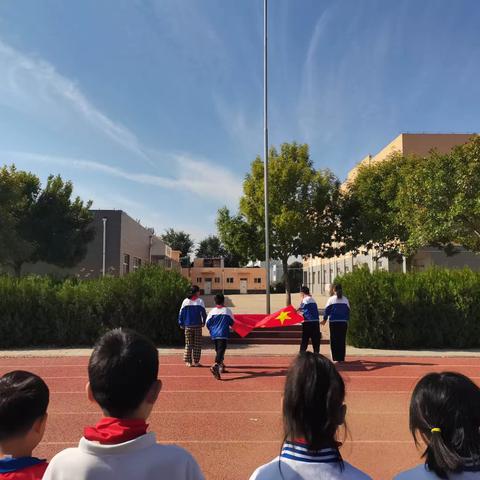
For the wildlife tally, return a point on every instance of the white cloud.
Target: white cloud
(191, 175)
(29, 83)
(32, 85)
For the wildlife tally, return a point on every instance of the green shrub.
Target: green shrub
(437, 308)
(39, 311)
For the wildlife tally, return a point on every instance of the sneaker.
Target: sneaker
(188, 364)
(197, 364)
(216, 372)
(223, 368)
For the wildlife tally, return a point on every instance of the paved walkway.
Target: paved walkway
(251, 351)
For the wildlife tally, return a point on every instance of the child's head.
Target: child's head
(305, 291)
(313, 407)
(194, 292)
(338, 289)
(24, 399)
(445, 412)
(220, 299)
(122, 372)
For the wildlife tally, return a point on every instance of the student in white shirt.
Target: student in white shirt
(445, 414)
(313, 411)
(122, 374)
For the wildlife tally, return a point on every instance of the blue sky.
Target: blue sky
(155, 106)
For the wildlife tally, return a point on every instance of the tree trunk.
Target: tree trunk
(286, 280)
(17, 268)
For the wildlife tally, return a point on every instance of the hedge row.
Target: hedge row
(39, 311)
(438, 308)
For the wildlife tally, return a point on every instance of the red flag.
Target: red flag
(244, 324)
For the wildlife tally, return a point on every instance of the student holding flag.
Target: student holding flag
(337, 312)
(311, 321)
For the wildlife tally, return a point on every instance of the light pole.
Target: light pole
(265, 140)
(104, 246)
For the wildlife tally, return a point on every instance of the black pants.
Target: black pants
(311, 330)
(338, 338)
(220, 348)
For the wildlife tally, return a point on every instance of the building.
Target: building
(212, 276)
(121, 245)
(319, 273)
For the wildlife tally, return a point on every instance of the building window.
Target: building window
(137, 263)
(217, 279)
(229, 279)
(199, 279)
(257, 280)
(126, 263)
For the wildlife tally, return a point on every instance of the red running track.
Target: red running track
(233, 426)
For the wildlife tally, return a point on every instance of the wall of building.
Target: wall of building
(227, 280)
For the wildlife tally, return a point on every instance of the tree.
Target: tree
(211, 247)
(302, 209)
(41, 225)
(178, 240)
(439, 203)
(370, 216)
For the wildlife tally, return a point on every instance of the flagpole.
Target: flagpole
(265, 140)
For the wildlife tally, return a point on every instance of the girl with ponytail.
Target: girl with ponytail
(445, 415)
(313, 412)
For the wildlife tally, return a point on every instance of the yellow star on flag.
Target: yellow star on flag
(283, 316)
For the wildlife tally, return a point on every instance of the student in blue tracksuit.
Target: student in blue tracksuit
(311, 321)
(192, 318)
(219, 322)
(337, 312)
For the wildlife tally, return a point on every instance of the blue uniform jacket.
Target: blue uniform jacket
(192, 313)
(309, 309)
(337, 309)
(219, 321)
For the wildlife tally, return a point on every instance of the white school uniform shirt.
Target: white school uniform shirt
(299, 463)
(138, 459)
(422, 473)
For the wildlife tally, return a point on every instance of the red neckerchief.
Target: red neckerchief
(110, 431)
(220, 306)
(193, 298)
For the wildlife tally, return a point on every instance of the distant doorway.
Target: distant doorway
(243, 286)
(208, 286)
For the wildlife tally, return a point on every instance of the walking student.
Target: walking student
(192, 318)
(219, 321)
(337, 312)
(311, 321)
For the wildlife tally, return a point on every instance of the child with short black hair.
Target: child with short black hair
(313, 412)
(122, 372)
(219, 322)
(445, 414)
(24, 399)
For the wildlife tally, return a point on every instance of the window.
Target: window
(137, 263)
(229, 279)
(257, 280)
(126, 263)
(217, 279)
(199, 279)
(313, 278)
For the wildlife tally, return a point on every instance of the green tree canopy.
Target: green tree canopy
(178, 240)
(212, 247)
(439, 201)
(370, 215)
(302, 209)
(41, 225)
